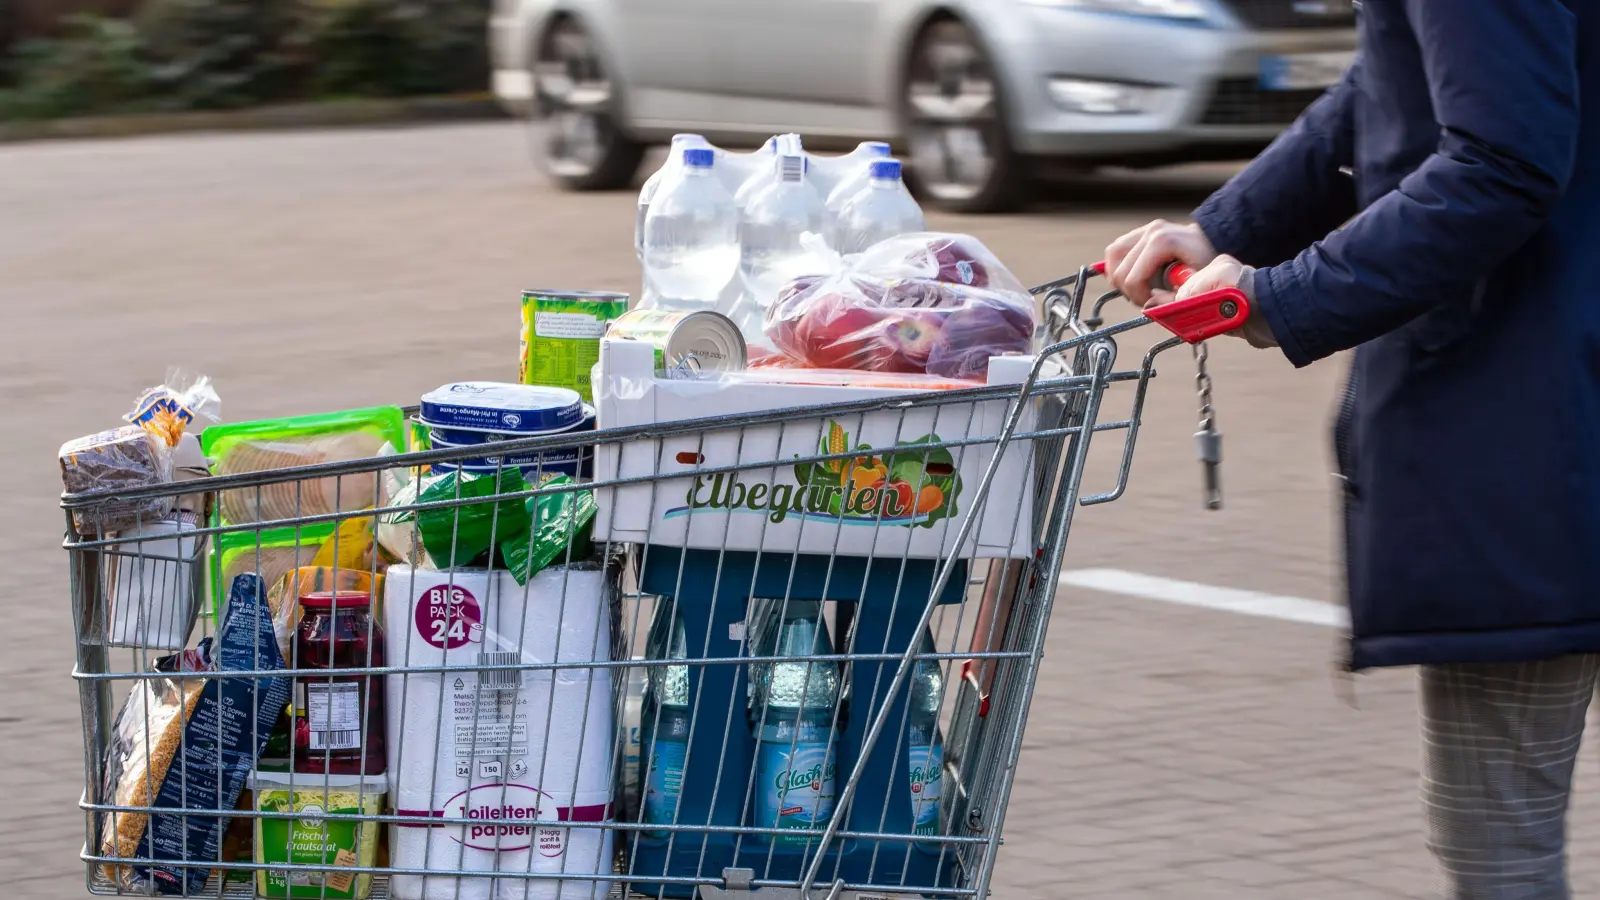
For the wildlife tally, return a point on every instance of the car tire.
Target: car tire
(581, 144)
(953, 117)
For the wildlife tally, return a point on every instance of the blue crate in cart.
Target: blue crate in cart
(884, 599)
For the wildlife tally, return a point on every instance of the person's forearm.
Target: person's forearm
(1489, 186)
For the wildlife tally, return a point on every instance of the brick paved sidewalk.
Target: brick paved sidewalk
(1186, 753)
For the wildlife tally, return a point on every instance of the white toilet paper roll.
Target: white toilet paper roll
(562, 738)
(523, 751)
(448, 728)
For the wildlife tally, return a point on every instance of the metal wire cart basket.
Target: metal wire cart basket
(787, 648)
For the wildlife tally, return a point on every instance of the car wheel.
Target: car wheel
(581, 144)
(954, 123)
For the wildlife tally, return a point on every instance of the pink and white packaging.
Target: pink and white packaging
(527, 754)
(772, 508)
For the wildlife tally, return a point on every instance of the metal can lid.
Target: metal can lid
(497, 406)
(706, 341)
(594, 296)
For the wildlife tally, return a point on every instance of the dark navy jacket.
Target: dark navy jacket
(1467, 274)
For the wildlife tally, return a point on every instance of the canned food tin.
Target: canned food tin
(492, 406)
(693, 339)
(561, 332)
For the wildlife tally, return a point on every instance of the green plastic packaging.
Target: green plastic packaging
(270, 444)
(271, 553)
(457, 535)
(559, 521)
(529, 533)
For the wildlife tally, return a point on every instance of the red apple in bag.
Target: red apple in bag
(984, 328)
(958, 264)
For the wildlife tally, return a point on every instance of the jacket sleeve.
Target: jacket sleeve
(1293, 193)
(1502, 76)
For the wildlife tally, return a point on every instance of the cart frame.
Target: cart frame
(1002, 609)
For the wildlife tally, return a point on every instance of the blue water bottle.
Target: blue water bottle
(791, 713)
(664, 722)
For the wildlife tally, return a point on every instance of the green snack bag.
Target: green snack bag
(557, 521)
(457, 535)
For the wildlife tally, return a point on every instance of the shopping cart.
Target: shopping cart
(697, 695)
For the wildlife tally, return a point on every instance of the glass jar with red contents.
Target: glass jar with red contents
(339, 722)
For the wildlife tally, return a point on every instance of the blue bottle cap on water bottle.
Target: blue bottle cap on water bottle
(699, 157)
(876, 148)
(886, 168)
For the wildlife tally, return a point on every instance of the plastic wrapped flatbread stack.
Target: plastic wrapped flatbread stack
(296, 499)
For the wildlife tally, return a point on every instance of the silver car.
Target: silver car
(982, 96)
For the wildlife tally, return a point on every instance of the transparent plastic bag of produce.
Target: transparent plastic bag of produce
(932, 303)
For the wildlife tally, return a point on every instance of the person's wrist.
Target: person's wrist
(1255, 330)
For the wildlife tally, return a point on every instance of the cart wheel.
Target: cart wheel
(583, 146)
(954, 122)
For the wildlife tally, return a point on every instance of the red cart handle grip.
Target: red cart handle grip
(1199, 317)
(1174, 275)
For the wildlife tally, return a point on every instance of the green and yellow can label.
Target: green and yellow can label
(561, 333)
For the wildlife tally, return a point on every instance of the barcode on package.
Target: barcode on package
(500, 679)
(335, 740)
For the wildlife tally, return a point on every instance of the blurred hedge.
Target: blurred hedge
(225, 54)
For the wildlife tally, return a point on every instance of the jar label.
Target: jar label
(333, 712)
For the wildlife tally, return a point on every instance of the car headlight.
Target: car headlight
(1165, 9)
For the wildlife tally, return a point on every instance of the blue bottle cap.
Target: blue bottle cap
(494, 406)
(886, 169)
(876, 148)
(699, 157)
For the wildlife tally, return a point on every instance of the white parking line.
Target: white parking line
(1189, 593)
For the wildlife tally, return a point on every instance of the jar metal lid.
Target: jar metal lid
(341, 599)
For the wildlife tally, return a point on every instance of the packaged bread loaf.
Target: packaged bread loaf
(183, 745)
(126, 457)
(137, 454)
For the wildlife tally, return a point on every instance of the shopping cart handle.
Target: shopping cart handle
(1171, 277)
(1196, 318)
(1174, 275)
(1202, 316)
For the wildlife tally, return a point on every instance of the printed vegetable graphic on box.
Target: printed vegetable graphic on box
(912, 484)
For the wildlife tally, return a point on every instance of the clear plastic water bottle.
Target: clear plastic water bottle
(882, 209)
(924, 745)
(691, 236)
(770, 250)
(664, 722)
(791, 716)
(850, 174)
(673, 165)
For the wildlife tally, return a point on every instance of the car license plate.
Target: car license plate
(1302, 71)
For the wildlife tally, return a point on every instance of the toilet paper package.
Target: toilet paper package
(521, 831)
(523, 751)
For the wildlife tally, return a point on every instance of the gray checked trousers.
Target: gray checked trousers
(1499, 741)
